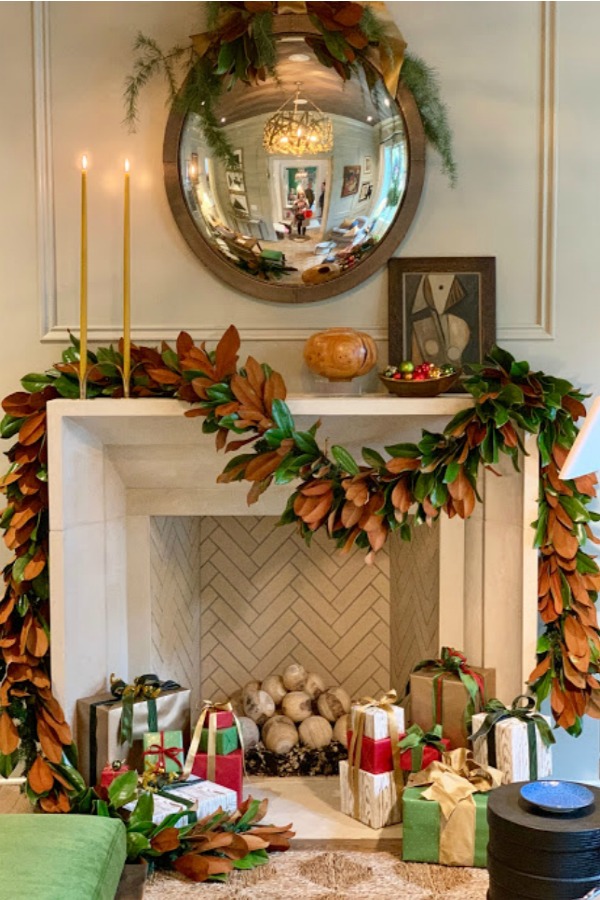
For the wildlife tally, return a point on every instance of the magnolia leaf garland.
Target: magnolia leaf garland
(357, 502)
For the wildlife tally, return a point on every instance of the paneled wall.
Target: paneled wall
(520, 81)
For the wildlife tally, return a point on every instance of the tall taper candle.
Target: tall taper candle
(83, 288)
(127, 285)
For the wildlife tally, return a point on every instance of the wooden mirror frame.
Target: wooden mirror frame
(227, 271)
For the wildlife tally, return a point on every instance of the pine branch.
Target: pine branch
(149, 63)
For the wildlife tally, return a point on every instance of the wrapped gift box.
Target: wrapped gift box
(205, 797)
(224, 718)
(511, 741)
(229, 770)
(377, 722)
(98, 719)
(379, 801)
(453, 704)
(227, 740)
(422, 832)
(376, 756)
(164, 806)
(163, 750)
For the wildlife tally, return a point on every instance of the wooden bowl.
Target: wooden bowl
(340, 354)
(431, 387)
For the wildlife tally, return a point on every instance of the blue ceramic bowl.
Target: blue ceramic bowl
(557, 796)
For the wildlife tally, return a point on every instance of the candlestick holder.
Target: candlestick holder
(83, 379)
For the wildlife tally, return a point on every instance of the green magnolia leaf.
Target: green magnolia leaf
(452, 471)
(404, 451)
(502, 357)
(41, 585)
(519, 369)
(373, 458)
(306, 442)
(102, 809)
(274, 437)
(6, 517)
(10, 425)
(7, 763)
(123, 789)
(170, 359)
(283, 417)
(142, 811)
(586, 565)
(252, 859)
(344, 460)
(249, 816)
(67, 387)
(35, 382)
(137, 844)
(575, 508)
(20, 564)
(543, 644)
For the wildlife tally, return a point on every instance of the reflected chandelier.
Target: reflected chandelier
(298, 128)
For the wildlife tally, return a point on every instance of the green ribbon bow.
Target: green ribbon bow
(144, 687)
(497, 711)
(452, 662)
(416, 740)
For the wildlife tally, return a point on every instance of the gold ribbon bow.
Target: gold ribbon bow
(453, 781)
(209, 710)
(359, 714)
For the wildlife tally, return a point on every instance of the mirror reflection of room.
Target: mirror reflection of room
(320, 172)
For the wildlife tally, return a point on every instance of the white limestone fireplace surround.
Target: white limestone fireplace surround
(114, 464)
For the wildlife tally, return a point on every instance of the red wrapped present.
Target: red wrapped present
(376, 756)
(223, 718)
(111, 771)
(228, 770)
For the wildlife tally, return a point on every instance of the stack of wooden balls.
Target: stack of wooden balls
(292, 708)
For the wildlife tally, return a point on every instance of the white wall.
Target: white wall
(489, 58)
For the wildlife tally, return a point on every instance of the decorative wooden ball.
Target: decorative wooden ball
(294, 677)
(340, 354)
(274, 720)
(314, 685)
(275, 687)
(315, 732)
(333, 703)
(258, 705)
(250, 732)
(340, 729)
(251, 686)
(281, 735)
(237, 702)
(297, 705)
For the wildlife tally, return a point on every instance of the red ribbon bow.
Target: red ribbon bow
(165, 753)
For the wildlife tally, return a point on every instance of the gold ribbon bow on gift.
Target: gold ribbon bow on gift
(209, 711)
(453, 782)
(359, 715)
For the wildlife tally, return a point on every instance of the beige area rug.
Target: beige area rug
(328, 875)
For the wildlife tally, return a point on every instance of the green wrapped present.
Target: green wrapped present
(163, 751)
(444, 810)
(226, 740)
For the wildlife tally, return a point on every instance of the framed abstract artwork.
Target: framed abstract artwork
(442, 309)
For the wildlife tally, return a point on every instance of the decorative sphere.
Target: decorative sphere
(281, 735)
(252, 686)
(250, 732)
(334, 703)
(297, 705)
(237, 702)
(294, 677)
(340, 729)
(314, 685)
(275, 687)
(258, 705)
(340, 354)
(315, 732)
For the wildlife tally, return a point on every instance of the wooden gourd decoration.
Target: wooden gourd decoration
(315, 732)
(258, 705)
(340, 354)
(279, 734)
(294, 678)
(314, 685)
(275, 687)
(297, 705)
(340, 729)
(333, 703)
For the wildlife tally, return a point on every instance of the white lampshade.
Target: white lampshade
(584, 456)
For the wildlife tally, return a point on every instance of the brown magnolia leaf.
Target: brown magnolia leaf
(9, 736)
(245, 393)
(559, 455)
(25, 627)
(564, 541)
(52, 748)
(255, 374)
(263, 465)
(40, 776)
(33, 428)
(56, 802)
(574, 407)
(166, 840)
(183, 344)
(316, 488)
(37, 640)
(593, 704)
(575, 637)
(539, 670)
(402, 497)
(17, 404)
(586, 485)
(575, 677)
(35, 566)
(164, 376)
(198, 868)
(350, 514)
(22, 516)
(401, 464)
(226, 353)
(378, 538)
(60, 729)
(274, 389)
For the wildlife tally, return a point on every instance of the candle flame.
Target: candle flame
(127, 165)
(84, 162)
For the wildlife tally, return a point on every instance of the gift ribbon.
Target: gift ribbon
(144, 687)
(452, 782)
(164, 753)
(536, 724)
(416, 740)
(450, 663)
(359, 712)
(210, 710)
(388, 57)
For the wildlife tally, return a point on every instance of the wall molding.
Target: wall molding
(542, 329)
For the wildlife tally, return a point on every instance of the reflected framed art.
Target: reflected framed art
(442, 309)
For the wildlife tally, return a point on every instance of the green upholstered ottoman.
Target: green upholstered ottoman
(58, 857)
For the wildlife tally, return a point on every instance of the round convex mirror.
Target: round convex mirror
(326, 181)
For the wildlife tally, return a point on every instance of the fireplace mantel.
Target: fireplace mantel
(113, 464)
